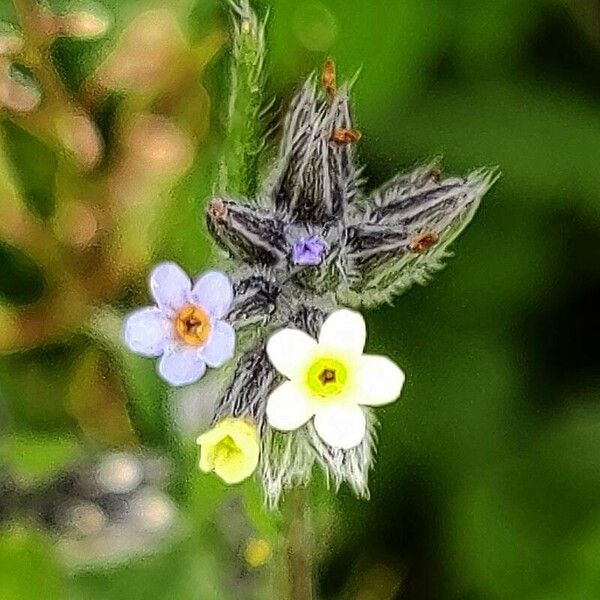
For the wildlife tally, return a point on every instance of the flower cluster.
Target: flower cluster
(302, 390)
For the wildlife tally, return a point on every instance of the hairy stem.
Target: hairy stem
(295, 580)
(239, 172)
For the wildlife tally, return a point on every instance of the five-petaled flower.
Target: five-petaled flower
(186, 327)
(230, 449)
(329, 380)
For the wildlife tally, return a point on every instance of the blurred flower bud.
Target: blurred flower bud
(152, 510)
(10, 43)
(82, 517)
(257, 552)
(17, 92)
(154, 150)
(160, 145)
(88, 23)
(80, 135)
(76, 225)
(119, 473)
(149, 49)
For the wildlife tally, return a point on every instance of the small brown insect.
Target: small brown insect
(217, 209)
(329, 78)
(422, 242)
(341, 135)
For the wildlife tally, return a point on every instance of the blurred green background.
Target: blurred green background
(487, 483)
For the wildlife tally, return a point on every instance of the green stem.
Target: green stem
(294, 581)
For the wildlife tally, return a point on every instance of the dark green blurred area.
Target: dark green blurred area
(487, 483)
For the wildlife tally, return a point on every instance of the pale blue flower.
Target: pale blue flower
(185, 328)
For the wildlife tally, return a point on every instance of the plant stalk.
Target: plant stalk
(245, 130)
(294, 581)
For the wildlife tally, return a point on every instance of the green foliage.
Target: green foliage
(28, 567)
(35, 458)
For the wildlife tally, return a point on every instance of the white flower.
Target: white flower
(329, 380)
(185, 328)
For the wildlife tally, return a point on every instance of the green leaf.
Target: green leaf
(36, 457)
(34, 169)
(28, 568)
(21, 279)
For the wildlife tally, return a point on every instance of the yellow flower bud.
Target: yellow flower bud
(230, 449)
(257, 552)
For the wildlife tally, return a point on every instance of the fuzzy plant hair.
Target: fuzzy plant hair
(311, 239)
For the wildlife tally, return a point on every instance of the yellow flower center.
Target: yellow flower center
(192, 325)
(327, 377)
(227, 450)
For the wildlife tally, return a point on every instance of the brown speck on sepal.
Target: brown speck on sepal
(343, 136)
(435, 175)
(246, 231)
(422, 242)
(217, 209)
(328, 78)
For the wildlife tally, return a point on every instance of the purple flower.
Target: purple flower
(185, 328)
(308, 251)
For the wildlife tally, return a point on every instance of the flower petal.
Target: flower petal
(245, 435)
(379, 379)
(220, 346)
(207, 457)
(147, 331)
(344, 330)
(288, 408)
(236, 469)
(289, 350)
(170, 286)
(232, 467)
(181, 365)
(214, 292)
(341, 425)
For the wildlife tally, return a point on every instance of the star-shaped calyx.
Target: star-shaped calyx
(314, 217)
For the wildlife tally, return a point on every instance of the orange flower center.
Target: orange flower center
(192, 325)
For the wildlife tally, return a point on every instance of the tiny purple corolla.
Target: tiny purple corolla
(308, 251)
(186, 327)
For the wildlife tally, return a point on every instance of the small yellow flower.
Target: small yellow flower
(257, 552)
(230, 449)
